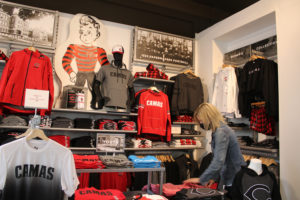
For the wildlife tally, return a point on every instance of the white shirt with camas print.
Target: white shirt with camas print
(36, 169)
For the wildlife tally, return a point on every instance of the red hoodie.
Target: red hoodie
(154, 114)
(25, 70)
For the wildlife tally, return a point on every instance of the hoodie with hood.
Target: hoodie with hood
(249, 185)
(115, 82)
(154, 114)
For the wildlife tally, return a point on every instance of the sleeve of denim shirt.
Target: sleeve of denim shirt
(220, 151)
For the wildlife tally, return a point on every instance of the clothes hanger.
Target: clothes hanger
(228, 65)
(259, 104)
(36, 133)
(254, 57)
(32, 48)
(189, 72)
(154, 88)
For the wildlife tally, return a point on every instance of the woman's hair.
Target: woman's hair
(209, 115)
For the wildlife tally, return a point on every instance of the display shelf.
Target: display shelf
(245, 128)
(138, 149)
(143, 80)
(95, 112)
(183, 136)
(160, 170)
(260, 151)
(185, 123)
(69, 129)
(163, 148)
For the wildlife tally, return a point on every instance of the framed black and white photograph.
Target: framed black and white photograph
(110, 142)
(162, 48)
(21, 24)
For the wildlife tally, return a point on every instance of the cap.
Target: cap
(118, 49)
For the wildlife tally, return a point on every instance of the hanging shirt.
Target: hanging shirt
(114, 85)
(225, 95)
(154, 114)
(36, 169)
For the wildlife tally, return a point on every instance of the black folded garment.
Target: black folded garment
(249, 141)
(231, 124)
(185, 131)
(85, 123)
(267, 143)
(84, 141)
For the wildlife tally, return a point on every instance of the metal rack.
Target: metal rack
(98, 112)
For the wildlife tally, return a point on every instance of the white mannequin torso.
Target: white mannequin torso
(256, 165)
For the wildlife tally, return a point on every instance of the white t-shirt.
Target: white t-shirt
(35, 170)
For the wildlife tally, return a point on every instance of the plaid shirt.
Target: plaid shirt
(152, 72)
(260, 122)
(3, 56)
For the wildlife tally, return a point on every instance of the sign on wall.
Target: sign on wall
(162, 48)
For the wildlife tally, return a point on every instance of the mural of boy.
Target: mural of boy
(79, 54)
(86, 55)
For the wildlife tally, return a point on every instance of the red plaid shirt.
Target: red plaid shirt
(260, 122)
(3, 56)
(152, 72)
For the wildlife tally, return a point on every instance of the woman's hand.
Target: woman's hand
(209, 183)
(192, 180)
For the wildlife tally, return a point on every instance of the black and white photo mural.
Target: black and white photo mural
(81, 55)
(162, 48)
(29, 25)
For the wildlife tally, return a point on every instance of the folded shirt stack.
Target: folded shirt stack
(157, 144)
(145, 162)
(84, 123)
(88, 162)
(186, 143)
(117, 161)
(14, 120)
(106, 124)
(84, 141)
(141, 143)
(126, 125)
(61, 139)
(94, 194)
(62, 122)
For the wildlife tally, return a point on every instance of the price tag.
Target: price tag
(36, 99)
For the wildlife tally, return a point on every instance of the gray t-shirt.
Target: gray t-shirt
(114, 85)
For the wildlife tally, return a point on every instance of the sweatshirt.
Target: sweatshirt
(248, 185)
(154, 114)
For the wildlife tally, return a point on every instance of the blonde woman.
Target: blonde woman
(227, 157)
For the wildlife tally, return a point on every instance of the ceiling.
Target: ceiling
(181, 17)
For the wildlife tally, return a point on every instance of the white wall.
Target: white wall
(257, 22)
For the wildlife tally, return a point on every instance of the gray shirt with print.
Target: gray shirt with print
(114, 85)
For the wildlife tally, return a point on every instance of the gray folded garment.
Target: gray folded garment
(116, 161)
(14, 120)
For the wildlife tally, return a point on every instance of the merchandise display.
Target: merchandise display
(187, 94)
(225, 95)
(258, 81)
(25, 69)
(3, 56)
(113, 84)
(40, 165)
(145, 162)
(94, 194)
(63, 140)
(247, 181)
(154, 114)
(152, 72)
(112, 130)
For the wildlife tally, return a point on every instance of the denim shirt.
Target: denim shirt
(227, 157)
